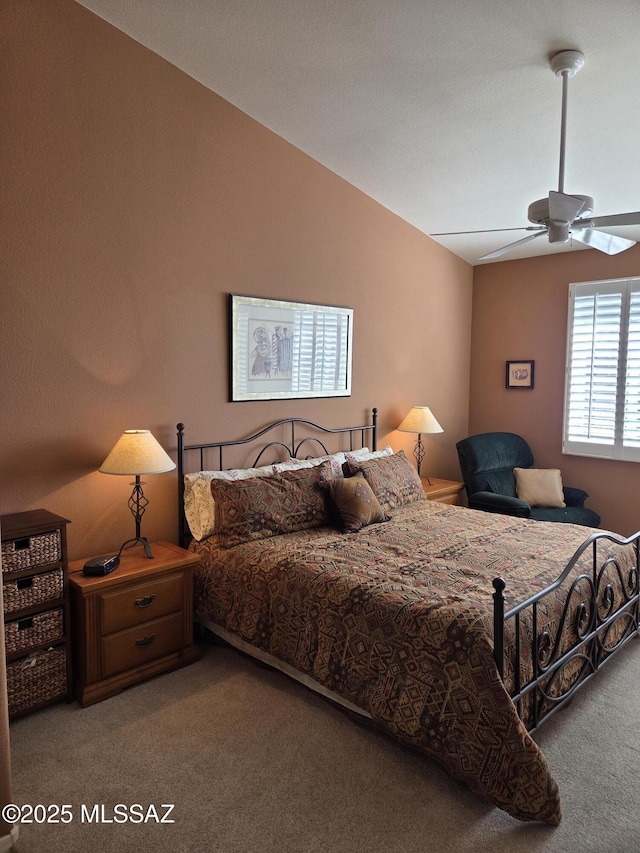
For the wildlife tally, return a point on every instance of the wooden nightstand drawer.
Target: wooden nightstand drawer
(139, 603)
(135, 646)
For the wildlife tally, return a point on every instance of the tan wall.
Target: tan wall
(134, 200)
(520, 312)
(5, 756)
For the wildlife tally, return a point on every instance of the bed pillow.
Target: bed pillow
(199, 508)
(261, 507)
(393, 479)
(540, 486)
(337, 460)
(355, 502)
(363, 454)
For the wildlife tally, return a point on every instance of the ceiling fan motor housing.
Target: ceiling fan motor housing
(538, 211)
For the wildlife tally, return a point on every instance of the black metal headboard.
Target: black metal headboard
(299, 439)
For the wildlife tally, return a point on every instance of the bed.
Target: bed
(454, 631)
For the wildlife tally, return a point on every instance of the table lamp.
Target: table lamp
(137, 452)
(420, 420)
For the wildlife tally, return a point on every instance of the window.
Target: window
(602, 386)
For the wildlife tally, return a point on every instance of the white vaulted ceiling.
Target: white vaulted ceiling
(444, 111)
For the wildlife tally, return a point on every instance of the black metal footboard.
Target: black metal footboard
(547, 647)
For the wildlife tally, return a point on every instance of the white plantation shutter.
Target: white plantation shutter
(631, 419)
(602, 389)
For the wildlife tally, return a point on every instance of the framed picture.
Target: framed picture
(285, 350)
(520, 374)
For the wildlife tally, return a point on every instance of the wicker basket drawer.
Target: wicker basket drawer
(34, 630)
(31, 551)
(38, 589)
(36, 680)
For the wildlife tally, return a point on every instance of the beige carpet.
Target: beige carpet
(255, 763)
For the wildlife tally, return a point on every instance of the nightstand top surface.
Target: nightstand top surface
(436, 483)
(135, 563)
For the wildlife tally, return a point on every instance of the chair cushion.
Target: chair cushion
(569, 515)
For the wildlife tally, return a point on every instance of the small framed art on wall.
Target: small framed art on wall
(520, 374)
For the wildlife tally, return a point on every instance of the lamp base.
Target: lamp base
(131, 542)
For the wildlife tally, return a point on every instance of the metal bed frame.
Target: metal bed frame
(357, 437)
(591, 621)
(588, 616)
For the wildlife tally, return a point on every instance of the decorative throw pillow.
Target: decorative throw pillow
(199, 507)
(269, 506)
(393, 479)
(355, 502)
(540, 486)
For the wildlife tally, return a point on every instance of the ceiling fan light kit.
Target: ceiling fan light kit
(557, 215)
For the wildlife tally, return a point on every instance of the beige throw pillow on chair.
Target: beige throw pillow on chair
(540, 486)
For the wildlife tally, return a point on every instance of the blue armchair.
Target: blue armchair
(487, 462)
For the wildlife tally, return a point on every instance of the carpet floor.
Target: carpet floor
(255, 763)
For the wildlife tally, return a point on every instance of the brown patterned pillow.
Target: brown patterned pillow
(355, 502)
(393, 480)
(268, 506)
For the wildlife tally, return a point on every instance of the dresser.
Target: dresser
(36, 610)
(133, 623)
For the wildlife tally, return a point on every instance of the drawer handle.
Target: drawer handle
(146, 601)
(24, 583)
(146, 641)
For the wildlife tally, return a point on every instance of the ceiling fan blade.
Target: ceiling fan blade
(608, 243)
(504, 249)
(616, 219)
(482, 231)
(563, 207)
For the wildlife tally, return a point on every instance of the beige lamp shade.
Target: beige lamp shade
(137, 452)
(420, 419)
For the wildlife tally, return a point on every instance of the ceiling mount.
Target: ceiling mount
(556, 216)
(567, 62)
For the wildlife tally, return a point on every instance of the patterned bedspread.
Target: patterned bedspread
(397, 619)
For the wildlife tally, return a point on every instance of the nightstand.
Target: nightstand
(133, 623)
(443, 491)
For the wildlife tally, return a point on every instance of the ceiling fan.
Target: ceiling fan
(560, 216)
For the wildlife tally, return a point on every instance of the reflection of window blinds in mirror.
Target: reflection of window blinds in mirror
(319, 351)
(242, 354)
